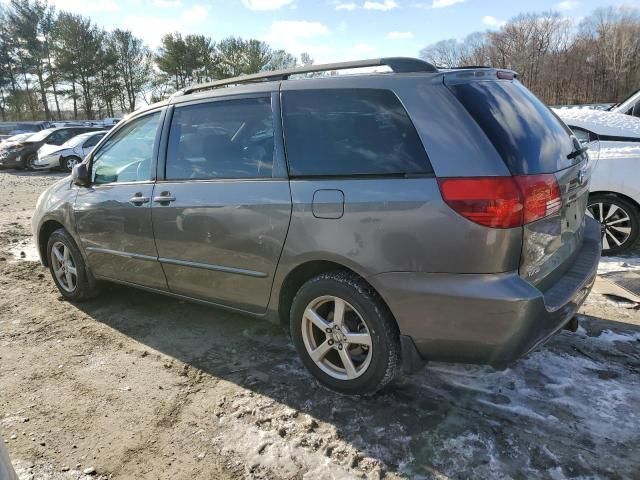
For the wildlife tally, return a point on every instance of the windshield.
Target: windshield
(41, 135)
(77, 140)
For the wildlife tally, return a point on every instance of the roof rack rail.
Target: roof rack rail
(396, 64)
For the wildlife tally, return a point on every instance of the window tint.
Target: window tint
(60, 136)
(350, 132)
(92, 141)
(127, 156)
(526, 133)
(224, 139)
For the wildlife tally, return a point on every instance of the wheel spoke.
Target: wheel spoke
(319, 352)
(65, 252)
(616, 241)
(316, 319)
(612, 209)
(338, 312)
(69, 278)
(58, 272)
(359, 339)
(605, 242)
(348, 363)
(58, 255)
(600, 208)
(619, 220)
(72, 270)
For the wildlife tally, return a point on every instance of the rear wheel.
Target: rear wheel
(619, 221)
(68, 269)
(345, 334)
(68, 163)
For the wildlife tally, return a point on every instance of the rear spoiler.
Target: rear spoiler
(456, 75)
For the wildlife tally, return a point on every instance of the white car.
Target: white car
(67, 155)
(630, 106)
(614, 146)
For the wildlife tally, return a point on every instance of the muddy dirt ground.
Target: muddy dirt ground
(134, 385)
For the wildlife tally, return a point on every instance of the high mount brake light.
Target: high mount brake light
(502, 75)
(502, 202)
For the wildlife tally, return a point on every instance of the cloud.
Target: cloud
(493, 21)
(296, 36)
(166, 3)
(385, 5)
(264, 5)
(346, 6)
(191, 20)
(399, 35)
(84, 6)
(445, 3)
(195, 14)
(566, 5)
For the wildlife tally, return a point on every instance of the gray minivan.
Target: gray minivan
(386, 219)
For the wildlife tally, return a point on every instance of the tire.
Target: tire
(75, 285)
(65, 163)
(365, 314)
(621, 221)
(28, 162)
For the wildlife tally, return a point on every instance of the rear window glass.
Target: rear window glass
(350, 132)
(526, 133)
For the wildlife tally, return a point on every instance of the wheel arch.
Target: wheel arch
(305, 271)
(617, 194)
(45, 231)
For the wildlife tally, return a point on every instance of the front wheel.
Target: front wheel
(345, 334)
(619, 221)
(68, 163)
(30, 161)
(68, 269)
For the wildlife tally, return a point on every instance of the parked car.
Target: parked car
(614, 143)
(67, 155)
(385, 219)
(630, 106)
(6, 469)
(24, 154)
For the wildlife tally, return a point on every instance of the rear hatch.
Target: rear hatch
(537, 148)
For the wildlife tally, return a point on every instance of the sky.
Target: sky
(329, 30)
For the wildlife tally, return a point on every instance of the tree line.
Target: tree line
(56, 65)
(595, 61)
(60, 65)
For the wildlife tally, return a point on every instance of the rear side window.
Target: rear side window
(223, 139)
(525, 132)
(350, 132)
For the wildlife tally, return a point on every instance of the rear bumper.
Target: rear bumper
(491, 319)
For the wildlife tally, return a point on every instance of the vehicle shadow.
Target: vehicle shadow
(568, 409)
(17, 172)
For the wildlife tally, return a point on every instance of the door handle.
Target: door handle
(138, 199)
(164, 198)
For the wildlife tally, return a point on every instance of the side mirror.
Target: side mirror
(80, 175)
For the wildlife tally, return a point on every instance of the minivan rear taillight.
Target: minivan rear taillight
(502, 202)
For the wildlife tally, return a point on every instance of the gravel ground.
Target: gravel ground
(134, 385)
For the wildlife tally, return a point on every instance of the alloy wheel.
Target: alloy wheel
(70, 163)
(64, 267)
(336, 337)
(615, 223)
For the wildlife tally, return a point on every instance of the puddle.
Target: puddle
(26, 251)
